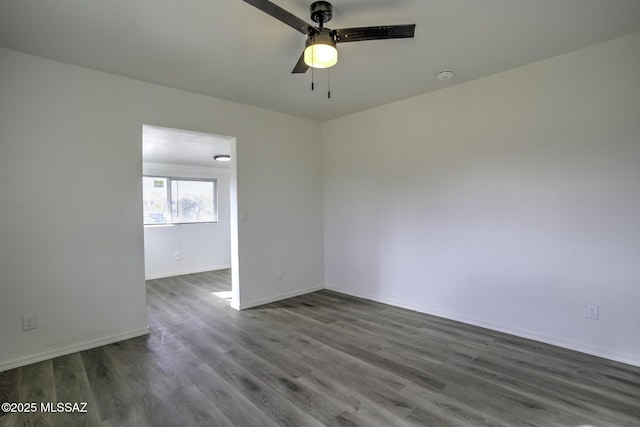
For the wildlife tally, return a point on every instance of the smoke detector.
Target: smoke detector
(444, 75)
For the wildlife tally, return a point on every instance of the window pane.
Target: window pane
(193, 201)
(154, 196)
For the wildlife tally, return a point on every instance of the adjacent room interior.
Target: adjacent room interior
(186, 230)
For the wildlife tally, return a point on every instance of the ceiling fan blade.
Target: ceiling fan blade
(301, 66)
(382, 32)
(279, 13)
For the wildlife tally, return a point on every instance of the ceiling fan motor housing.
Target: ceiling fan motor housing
(321, 12)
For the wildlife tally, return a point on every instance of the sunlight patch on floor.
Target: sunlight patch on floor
(224, 295)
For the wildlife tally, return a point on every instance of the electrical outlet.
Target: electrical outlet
(592, 311)
(279, 274)
(28, 322)
(177, 256)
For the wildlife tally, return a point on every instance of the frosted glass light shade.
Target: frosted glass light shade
(320, 49)
(320, 56)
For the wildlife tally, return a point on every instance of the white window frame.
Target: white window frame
(170, 204)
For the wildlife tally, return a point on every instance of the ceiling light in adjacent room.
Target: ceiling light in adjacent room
(222, 158)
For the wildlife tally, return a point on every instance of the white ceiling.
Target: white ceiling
(183, 147)
(231, 50)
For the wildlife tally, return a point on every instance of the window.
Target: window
(178, 200)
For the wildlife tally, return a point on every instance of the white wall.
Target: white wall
(509, 202)
(71, 235)
(202, 247)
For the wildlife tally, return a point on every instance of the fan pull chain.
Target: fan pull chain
(313, 39)
(329, 83)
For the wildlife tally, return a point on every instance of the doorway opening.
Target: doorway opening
(190, 205)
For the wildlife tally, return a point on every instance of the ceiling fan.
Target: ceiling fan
(320, 48)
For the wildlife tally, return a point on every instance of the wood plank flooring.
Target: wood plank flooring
(319, 359)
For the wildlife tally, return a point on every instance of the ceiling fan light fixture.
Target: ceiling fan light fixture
(320, 47)
(320, 50)
(222, 158)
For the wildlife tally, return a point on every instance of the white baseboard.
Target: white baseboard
(182, 273)
(69, 349)
(558, 342)
(275, 298)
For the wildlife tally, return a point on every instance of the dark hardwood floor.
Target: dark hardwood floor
(319, 359)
